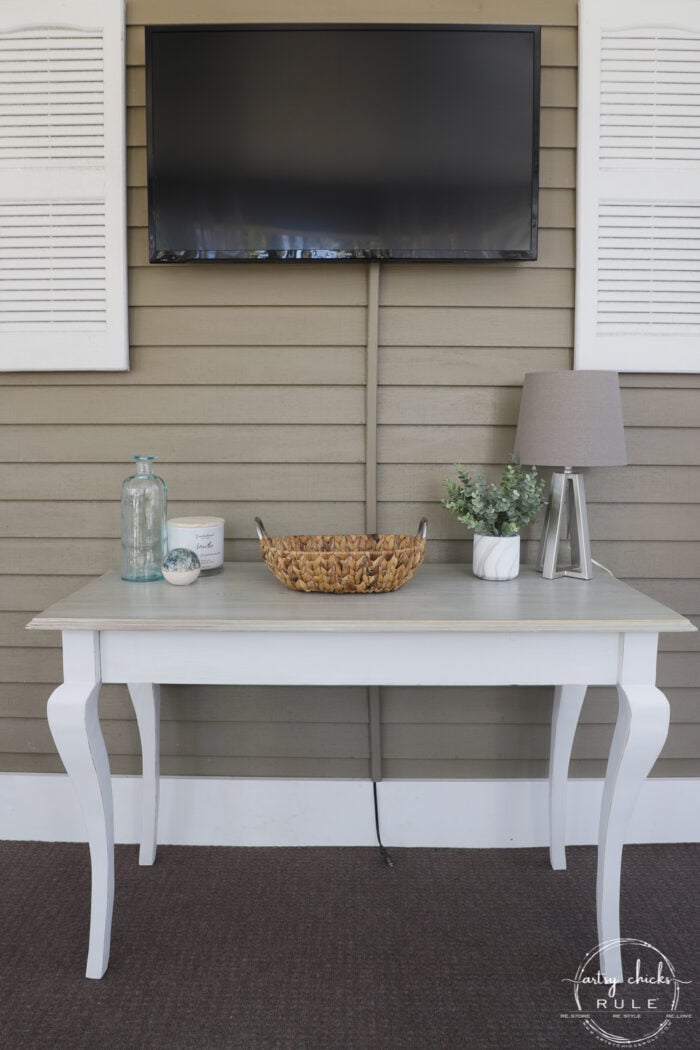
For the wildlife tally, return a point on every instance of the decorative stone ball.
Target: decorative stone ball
(181, 566)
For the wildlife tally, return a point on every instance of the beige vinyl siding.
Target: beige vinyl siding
(248, 381)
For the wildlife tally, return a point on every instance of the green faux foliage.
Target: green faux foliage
(501, 509)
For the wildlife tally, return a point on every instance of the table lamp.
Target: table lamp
(569, 419)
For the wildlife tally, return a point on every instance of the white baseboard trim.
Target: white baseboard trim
(251, 812)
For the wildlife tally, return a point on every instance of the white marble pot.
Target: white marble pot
(496, 557)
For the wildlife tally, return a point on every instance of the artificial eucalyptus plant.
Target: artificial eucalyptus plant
(500, 509)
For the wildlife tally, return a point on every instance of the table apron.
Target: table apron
(362, 658)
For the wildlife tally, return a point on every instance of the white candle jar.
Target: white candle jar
(204, 536)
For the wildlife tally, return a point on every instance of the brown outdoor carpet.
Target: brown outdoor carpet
(328, 949)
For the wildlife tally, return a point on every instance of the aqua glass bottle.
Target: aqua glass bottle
(144, 523)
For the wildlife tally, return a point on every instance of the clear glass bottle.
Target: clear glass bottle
(144, 523)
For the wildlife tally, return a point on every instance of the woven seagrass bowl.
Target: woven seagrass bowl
(350, 564)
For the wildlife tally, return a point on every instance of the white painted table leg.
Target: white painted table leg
(568, 700)
(146, 700)
(74, 721)
(640, 733)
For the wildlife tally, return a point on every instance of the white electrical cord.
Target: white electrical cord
(603, 567)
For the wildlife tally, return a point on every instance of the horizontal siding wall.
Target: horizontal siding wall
(248, 381)
(455, 348)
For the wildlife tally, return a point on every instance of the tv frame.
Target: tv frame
(347, 255)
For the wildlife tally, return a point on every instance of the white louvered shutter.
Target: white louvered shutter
(638, 186)
(62, 186)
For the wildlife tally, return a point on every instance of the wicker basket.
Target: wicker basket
(343, 564)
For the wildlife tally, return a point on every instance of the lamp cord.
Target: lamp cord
(382, 848)
(603, 567)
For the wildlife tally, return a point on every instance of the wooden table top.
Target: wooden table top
(247, 597)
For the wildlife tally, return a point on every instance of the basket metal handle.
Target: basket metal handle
(261, 530)
(423, 528)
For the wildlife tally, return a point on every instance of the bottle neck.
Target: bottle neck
(144, 465)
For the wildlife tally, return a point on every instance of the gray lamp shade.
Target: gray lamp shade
(571, 419)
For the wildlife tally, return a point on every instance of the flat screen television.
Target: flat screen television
(273, 142)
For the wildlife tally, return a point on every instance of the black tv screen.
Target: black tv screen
(342, 142)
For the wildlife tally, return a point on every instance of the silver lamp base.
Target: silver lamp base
(566, 513)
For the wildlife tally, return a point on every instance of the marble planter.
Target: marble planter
(496, 557)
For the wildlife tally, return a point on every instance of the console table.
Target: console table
(445, 627)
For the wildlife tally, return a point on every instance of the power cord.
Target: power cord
(382, 848)
(603, 567)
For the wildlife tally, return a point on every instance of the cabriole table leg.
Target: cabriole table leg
(146, 700)
(640, 733)
(568, 700)
(75, 726)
